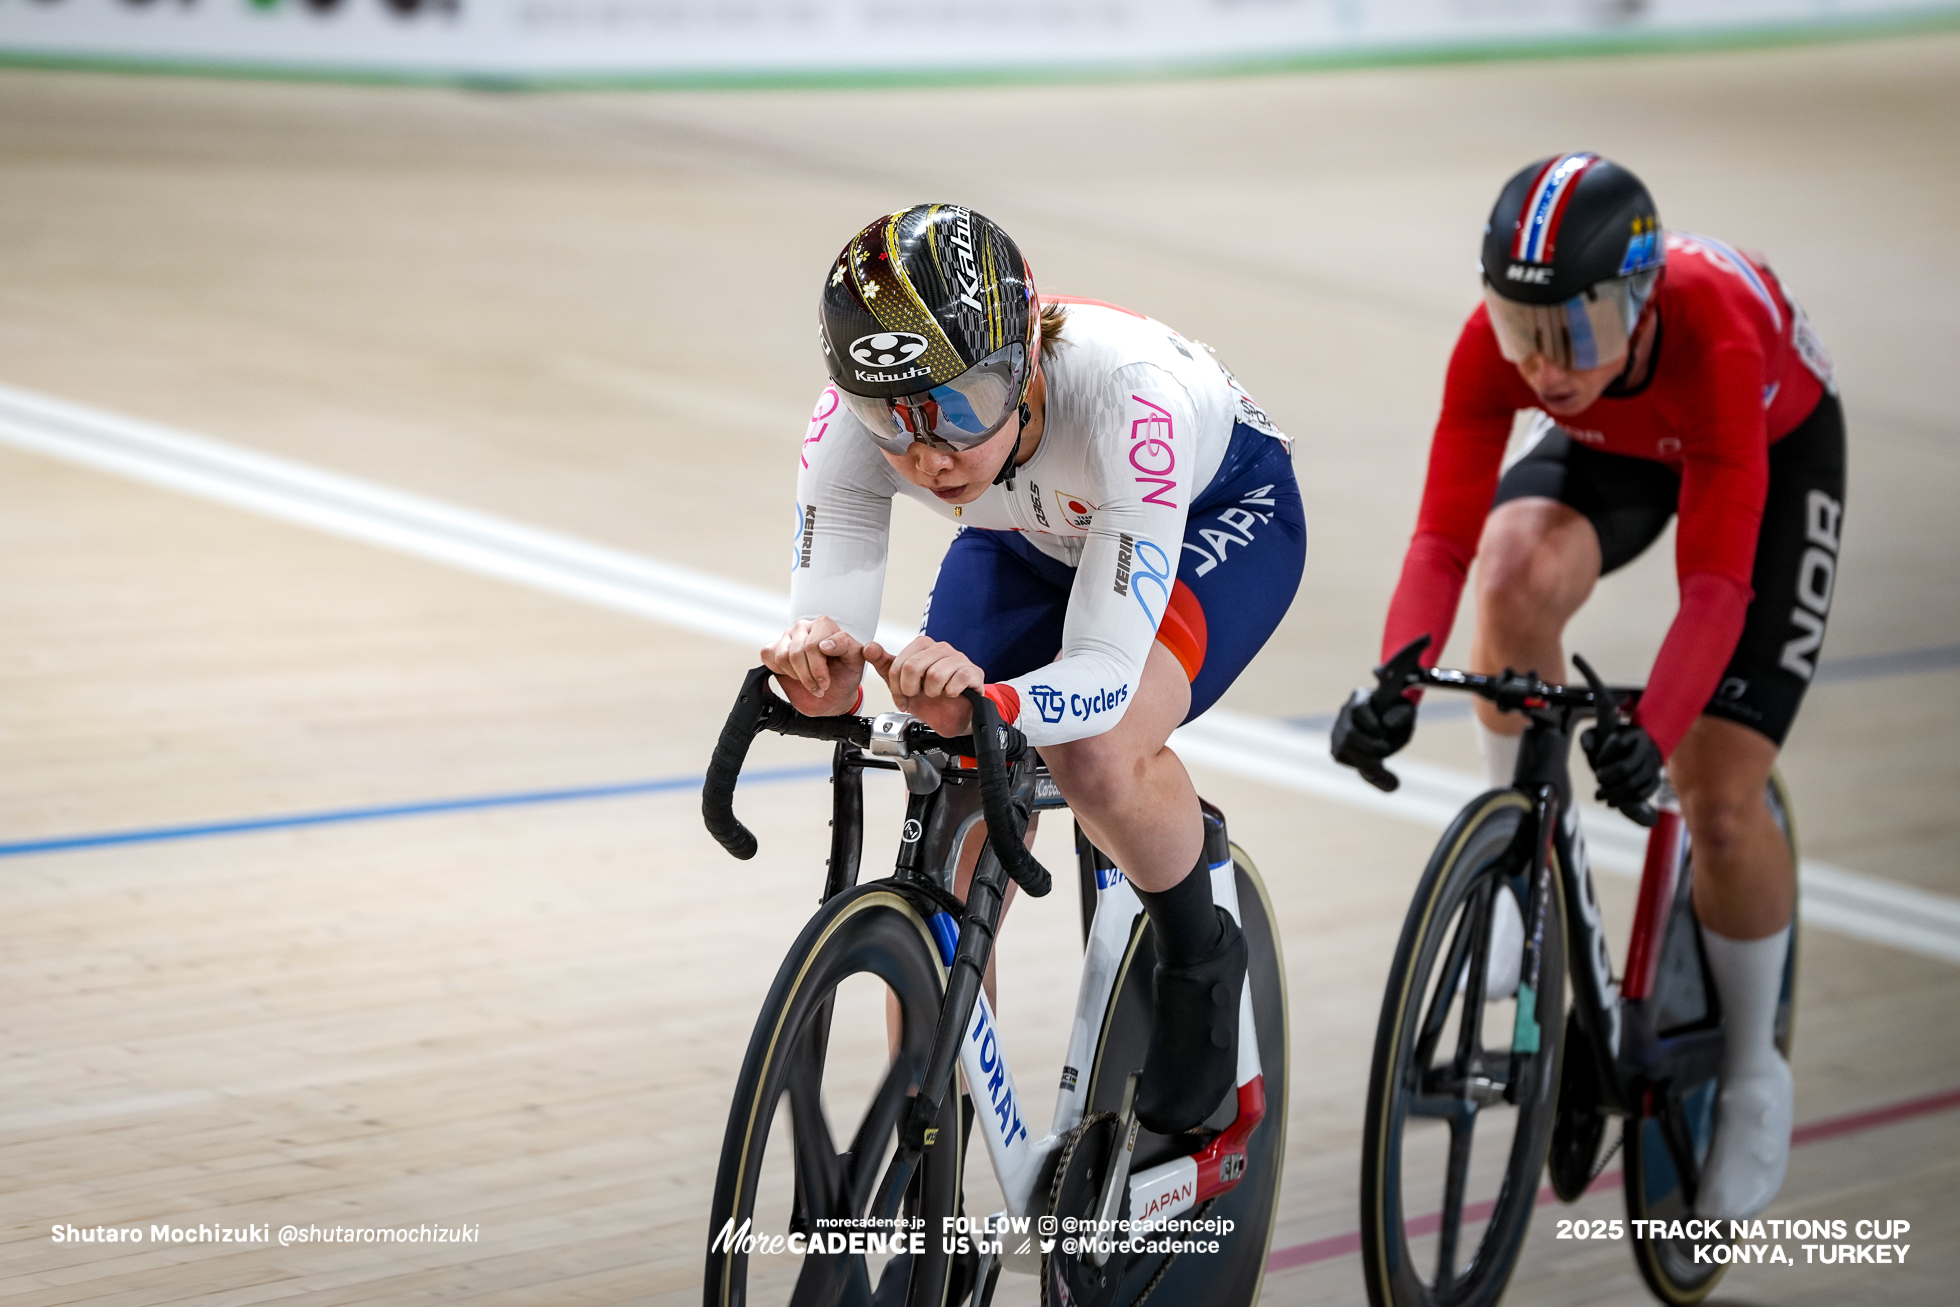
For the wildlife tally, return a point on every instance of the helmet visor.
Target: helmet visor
(1589, 330)
(964, 412)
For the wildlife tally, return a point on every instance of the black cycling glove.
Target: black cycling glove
(1627, 762)
(1362, 735)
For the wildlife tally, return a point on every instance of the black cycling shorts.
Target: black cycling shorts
(1629, 500)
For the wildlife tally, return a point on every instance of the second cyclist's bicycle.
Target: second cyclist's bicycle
(878, 1023)
(1481, 1077)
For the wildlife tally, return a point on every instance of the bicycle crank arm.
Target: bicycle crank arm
(1172, 1188)
(1118, 1178)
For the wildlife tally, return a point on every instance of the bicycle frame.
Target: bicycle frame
(1543, 777)
(1635, 1046)
(937, 824)
(1645, 1046)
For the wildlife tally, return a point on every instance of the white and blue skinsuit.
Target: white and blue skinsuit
(1159, 487)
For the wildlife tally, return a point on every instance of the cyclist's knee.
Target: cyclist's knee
(1721, 771)
(1537, 563)
(1096, 773)
(1721, 822)
(1725, 813)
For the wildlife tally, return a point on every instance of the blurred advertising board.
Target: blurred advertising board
(814, 39)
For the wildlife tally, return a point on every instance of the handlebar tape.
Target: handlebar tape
(751, 712)
(992, 743)
(757, 710)
(1377, 774)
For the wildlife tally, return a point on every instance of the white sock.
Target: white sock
(1506, 963)
(1749, 980)
(1500, 755)
(1753, 1114)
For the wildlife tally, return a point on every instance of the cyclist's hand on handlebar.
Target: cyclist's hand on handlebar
(1363, 736)
(1627, 762)
(927, 678)
(819, 665)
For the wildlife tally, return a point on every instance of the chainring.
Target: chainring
(1577, 1131)
(1068, 1279)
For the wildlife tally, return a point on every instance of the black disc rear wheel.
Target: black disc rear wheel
(1665, 1149)
(1232, 1276)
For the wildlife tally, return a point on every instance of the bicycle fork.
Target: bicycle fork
(965, 999)
(1558, 839)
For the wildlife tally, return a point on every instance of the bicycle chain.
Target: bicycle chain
(1061, 1168)
(1158, 1278)
(1599, 1168)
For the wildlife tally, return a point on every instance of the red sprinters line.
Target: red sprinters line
(1320, 1250)
(1855, 1122)
(1831, 1127)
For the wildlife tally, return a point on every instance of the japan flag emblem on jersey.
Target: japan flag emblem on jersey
(1076, 511)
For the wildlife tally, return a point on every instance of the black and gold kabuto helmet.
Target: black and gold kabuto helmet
(930, 326)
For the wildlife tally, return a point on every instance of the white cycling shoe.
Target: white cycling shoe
(1751, 1147)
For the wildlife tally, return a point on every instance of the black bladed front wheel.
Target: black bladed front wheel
(1464, 1084)
(830, 1075)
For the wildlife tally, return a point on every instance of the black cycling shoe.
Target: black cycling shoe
(1194, 1047)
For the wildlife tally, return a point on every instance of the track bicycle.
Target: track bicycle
(880, 1002)
(1469, 1032)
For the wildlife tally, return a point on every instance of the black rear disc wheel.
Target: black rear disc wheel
(1232, 1276)
(1665, 1150)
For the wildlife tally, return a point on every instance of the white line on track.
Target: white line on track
(1267, 751)
(375, 515)
(1834, 898)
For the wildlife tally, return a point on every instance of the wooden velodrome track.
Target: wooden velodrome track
(593, 314)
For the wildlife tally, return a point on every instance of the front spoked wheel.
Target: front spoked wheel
(842, 1038)
(1667, 1146)
(1463, 1088)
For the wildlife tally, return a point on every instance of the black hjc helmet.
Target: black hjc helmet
(929, 325)
(1566, 224)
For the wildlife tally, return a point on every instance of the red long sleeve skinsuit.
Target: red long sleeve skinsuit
(1728, 381)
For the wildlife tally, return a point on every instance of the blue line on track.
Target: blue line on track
(1859, 667)
(339, 816)
(1900, 662)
